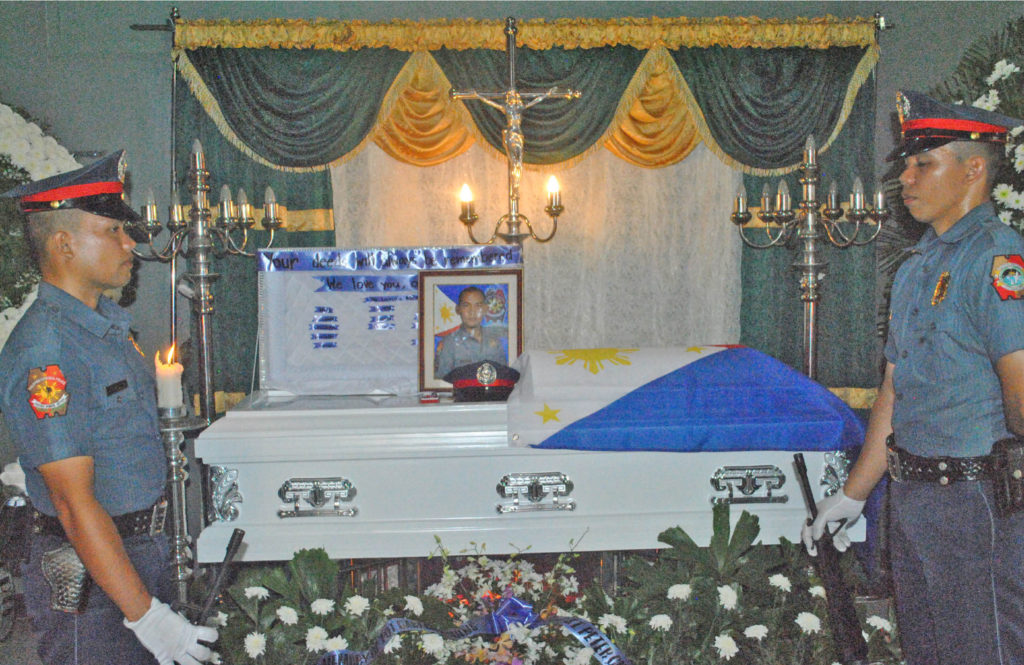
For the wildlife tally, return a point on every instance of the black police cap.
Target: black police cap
(926, 123)
(483, 381)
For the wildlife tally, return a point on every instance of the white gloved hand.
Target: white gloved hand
(170, 637)
(837, 509)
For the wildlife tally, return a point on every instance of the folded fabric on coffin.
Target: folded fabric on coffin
(694, 399)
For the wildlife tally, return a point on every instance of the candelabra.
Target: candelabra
(810, 223)
(198, 239)
(512, 106)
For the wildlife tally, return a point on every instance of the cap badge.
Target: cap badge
(122, 167)
(1008, 276)
(941, 287)
(486, 374)
(47, 391)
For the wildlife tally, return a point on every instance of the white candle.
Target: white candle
(168, 382)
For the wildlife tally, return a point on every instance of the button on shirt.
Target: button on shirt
(949, 325)
(89, 367)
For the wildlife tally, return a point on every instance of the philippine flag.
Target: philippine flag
(696, 399)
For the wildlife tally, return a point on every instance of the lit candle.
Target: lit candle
(740, 206)
(466, 196)
(554, 195)
(810, 153)
(857, 197)
(168, 381)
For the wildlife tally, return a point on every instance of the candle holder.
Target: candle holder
(512, 106)
(809, 223)
(174, 422)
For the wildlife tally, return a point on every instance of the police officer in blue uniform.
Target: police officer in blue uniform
(953, 386)
(79, 400)
(472, 341)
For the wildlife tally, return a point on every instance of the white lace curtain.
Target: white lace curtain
(643, 257)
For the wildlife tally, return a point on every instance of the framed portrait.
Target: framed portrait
(467, 316)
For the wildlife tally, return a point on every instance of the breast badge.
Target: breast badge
(1008, 276)
(941, 288)
(47, 391)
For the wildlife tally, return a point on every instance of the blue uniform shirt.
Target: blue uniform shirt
(460, 348)
(957, 307)
(73, 383)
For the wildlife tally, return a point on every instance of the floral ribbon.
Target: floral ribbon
(510, 611)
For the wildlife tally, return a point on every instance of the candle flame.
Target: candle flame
(169, 356)
(552, 185)
(465, 194)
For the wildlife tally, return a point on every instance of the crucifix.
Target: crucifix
(512, 103)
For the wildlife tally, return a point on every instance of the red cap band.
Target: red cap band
(473, 383)
(76, 191)
(953, 124)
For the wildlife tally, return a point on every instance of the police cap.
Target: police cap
(97, 188)
(483, 381)
(926, 123)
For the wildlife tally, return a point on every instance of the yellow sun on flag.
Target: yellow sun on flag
(446, 313)
(547, 413)
(593, 359)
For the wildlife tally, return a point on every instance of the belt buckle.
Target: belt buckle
(892, 458)
(158, 517)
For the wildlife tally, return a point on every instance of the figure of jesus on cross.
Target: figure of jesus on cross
(511, 103)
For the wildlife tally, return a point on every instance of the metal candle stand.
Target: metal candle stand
(174, 423)
(810, 223)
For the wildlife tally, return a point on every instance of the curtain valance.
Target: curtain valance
(301, 95)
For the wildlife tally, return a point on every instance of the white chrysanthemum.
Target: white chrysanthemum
(989, 101)
(612, 621)
(414, 605)
(432, 644)
(1002, 192)
(322, 606)
(256, 592)
(1001, 70)
(780, 581)
(662, 622)
(336, 643)
(255, 644)
(817, 591)
(1016, 201)
(215, 658)
(394, 643)
(316, 639)
(582, 657)
(287, 615)
(756, 632)
(726, 646)
(727, 597)
(878, 622)
(678, 592)
(221, 619)
(356, 605)
(1006, 217)
(518, 633)
(809, 623)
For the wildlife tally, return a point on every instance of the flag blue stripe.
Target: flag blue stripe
(733, 400)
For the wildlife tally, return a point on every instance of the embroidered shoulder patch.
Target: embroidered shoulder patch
(47, 391)
(1008, 276)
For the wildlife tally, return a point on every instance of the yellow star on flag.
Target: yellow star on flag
(547, 413)
(695, 349)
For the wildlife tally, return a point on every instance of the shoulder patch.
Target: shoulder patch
(941, 288)
(1008, 276)
(47, 391)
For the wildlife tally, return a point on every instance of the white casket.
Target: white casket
(369, 478)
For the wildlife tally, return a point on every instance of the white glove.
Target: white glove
(170, 637)
(837, 509)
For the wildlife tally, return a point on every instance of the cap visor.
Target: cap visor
(913, 146)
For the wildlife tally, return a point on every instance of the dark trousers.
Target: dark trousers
(97, 636)
(959, 575)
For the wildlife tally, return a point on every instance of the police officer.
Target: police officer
(953, 385)
(472, 341)
(79, 400)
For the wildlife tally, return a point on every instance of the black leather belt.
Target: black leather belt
(904, 466)
(148, 521)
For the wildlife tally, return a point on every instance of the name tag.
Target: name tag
(115, 388)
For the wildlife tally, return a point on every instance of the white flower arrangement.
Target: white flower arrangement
(29, 148)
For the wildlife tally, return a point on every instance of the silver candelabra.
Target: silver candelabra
(810, 223)
(511, 103)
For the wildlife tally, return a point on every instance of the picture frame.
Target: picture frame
(497, 309)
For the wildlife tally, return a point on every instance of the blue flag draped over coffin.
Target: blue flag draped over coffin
(694, 399)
